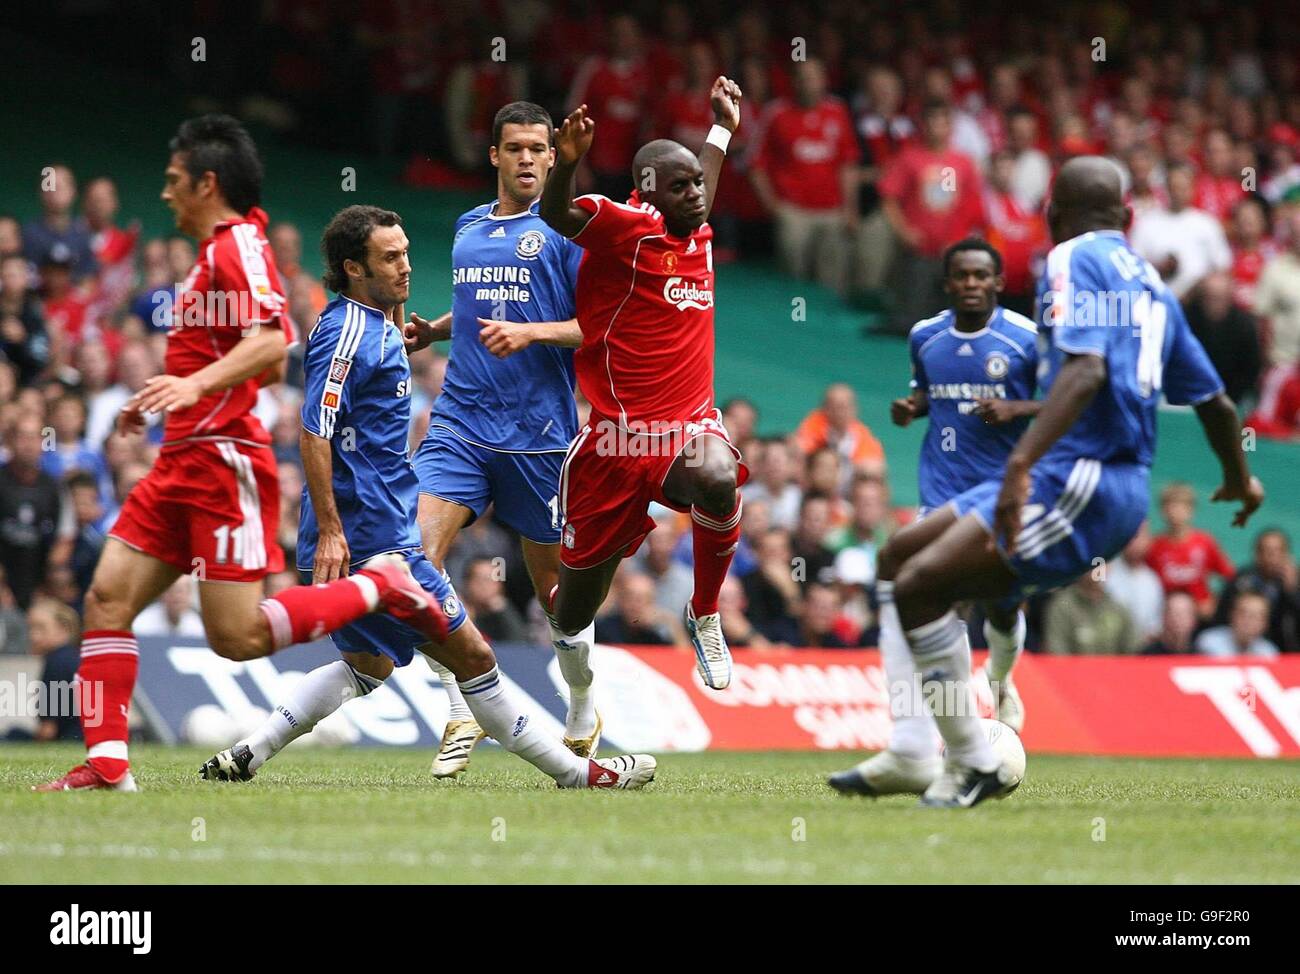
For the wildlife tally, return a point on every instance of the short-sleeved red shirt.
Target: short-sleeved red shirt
(232, 286)
(645, 305)
(803, 151)
(940, 194)
(1187, 564)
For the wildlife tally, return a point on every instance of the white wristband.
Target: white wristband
(720, 137)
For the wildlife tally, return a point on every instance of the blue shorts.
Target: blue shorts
(379, 634)
(524, 486)
(1076, 514)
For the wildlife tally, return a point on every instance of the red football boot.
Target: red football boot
(84, 777)
(402, 597)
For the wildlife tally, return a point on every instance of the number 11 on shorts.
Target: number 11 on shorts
(225, 535)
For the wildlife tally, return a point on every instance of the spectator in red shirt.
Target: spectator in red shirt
(1185, 557)
(883, 130)
(932, 196)
(1018, 233)
(684, 113)
(614, 88)
(1004, 95)
(64, 305)
(114, 247)
(806, 174)
(1218, 187)
(670, 53)
(1252, 248)
(476, 88)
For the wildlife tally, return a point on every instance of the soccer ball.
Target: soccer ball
(1006, 743)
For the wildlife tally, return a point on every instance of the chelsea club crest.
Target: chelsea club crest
(997, 365)
(530, 244)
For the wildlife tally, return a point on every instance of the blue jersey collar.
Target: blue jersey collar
(531, 211)
(362, 304)
(953, 329)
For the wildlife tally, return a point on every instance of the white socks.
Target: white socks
(942, 654)
(574, 655)
(1004, 648)
(459, 709)
(312, 699)
(913, 733)
(512, 728)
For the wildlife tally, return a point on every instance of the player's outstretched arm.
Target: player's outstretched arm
(1223, 431)
(1075, 387)
(332, 554)
(420, 333)
(252, 356)
(725, 99)
(505, 338)
(572, 140)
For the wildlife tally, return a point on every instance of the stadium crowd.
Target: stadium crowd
(857, 165)
(875, 134)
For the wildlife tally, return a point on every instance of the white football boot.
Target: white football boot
(887, 773)
(629, 771)
(458, 739)
(712, 657)
(961, 786)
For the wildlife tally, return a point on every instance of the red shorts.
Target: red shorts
(209, 507)
(609, 480)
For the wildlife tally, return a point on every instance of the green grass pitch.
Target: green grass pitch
(375, 816)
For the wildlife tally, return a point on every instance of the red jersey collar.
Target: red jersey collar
(255, 215)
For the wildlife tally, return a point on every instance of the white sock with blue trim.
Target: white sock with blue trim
(1004, 647)
(912, 733)
(574, 656)
(310, 700)
(941, 650)
(511, 727)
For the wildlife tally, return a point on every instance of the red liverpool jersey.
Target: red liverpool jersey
(645, 305)
(233, 285)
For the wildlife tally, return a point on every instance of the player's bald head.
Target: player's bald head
(1088, 195)
(658, 157)
(667, 175)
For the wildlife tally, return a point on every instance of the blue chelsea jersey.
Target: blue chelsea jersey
(509, 268)
(358, 396)
(954, 369)
(1097, 297)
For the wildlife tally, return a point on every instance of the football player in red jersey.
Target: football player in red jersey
(210, 504)
(644, 302)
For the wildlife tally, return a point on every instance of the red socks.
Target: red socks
(306, 612)
(715, 542)
(105, 679)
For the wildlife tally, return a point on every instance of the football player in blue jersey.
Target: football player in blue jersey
(359, 503)
(974, 371)
(500, 429)
(1076, 485)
